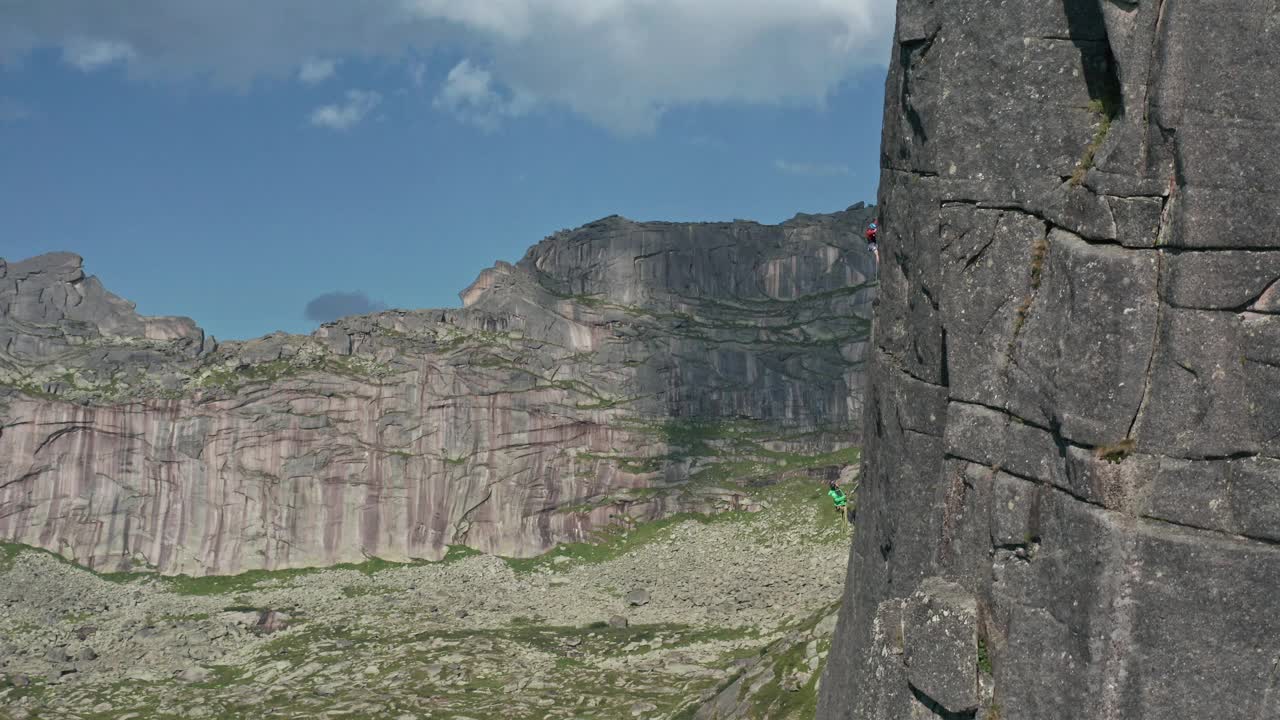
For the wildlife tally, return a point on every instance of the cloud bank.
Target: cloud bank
(333, 305)
(619, 63)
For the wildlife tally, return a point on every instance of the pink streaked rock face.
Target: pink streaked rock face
(297, 476)
(621, 372)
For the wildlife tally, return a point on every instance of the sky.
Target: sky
(263, 165)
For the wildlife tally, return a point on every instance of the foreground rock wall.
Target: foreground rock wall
(1071, 505)
(620, 372)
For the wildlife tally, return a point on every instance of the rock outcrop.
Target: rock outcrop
(619, 372)
(1071, 499)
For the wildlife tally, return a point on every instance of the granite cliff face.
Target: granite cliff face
(1072, 486)
(620, 372)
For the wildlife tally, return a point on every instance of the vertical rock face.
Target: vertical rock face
(622, 371)
(1072, 419)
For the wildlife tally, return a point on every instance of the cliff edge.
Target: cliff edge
(1071, 499)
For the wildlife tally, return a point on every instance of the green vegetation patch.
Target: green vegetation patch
(778, 700)
(738, 451)
(720, 453)
(796, 502)
(498, 659)
(610, 543)
(596, 638)
(1105, 110)
(1115, 453)
(233, 378)
(9, 551)
(789, 686)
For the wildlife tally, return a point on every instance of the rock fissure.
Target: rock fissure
(1157, 329)
(1266, 541)
(937, 709)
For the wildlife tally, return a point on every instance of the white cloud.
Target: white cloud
(620, 63)
(623, 63)
(810, 169)
(315, 71)
(90, 55)
(469, 94)
(347, 115)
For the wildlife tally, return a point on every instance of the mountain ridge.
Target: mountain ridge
(620, 373)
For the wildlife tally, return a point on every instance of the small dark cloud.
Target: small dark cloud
(333, 305)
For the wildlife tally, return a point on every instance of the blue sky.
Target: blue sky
(232, 164)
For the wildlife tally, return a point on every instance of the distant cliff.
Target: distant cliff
(1071, 499)
(619, 372)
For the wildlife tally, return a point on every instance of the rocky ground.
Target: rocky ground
(687, 618)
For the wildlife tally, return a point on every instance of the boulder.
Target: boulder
(194, 674)
(271, 621)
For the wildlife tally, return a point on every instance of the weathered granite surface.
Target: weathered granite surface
(1072, 417)
(619, 372)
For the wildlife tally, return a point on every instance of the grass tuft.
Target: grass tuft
(1105, 110)
(1116, 452)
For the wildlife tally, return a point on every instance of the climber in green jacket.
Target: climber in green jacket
(838, 498)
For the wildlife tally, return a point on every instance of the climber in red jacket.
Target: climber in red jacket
(871, 239)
